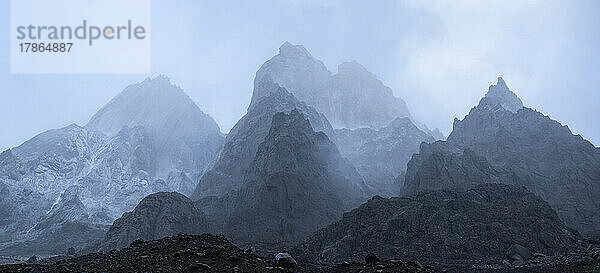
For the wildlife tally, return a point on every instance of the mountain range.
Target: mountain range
(352, 98)
(329, 167)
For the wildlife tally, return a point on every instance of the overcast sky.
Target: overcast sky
(439, 56)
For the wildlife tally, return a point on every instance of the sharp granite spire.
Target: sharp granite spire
(500, 94)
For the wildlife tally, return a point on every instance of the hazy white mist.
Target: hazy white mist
(439, 56)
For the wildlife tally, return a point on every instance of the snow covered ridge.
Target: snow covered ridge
(151, 137)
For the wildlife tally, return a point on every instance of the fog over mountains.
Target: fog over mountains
(150, 138)
(352, 98)
(331, 168)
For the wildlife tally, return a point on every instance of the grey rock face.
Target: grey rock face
(380, 156)
(296, 184)
(163, 142)
(241, 144)
(185, 139)
(285, 260)
(517, 254)
(156, 216)
(34, 178)
(499, 94)
(479, 224)
(297, 71)
(352, 98)
(531, 150)
(66, 226)
(440, 169)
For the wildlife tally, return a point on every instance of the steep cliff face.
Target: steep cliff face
(66, 225)
(297, 183)
(380, 156)
(436, 168)
(296, 70)
(241, 144)
(185, 139)
(529, 148)
(352, 98)
(477, 225)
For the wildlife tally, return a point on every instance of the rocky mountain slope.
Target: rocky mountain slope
(524, 147)
(352, 98)
(438, 169)
(477, 225)
(158, 215)
(67, 225)
(296, 184)
(241, 144)
(108, 170)
(380, 156)
(185, 139)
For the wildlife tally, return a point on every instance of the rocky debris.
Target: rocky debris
(385, 266)
(372, 258)
(522, 147)
(588, 261)
(576, 261)
(181, 253)
(471, 226)
(241, 144)
(380, 156)
(33, 259)
(285, 260)
(156, 216)
(593, 236)
(71, 251)
(517, 255)
(197, 253)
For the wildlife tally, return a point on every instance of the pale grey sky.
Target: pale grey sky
(439, 56)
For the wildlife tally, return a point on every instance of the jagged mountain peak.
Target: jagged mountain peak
(524, 147)
(295, 69)
(243, 139)
(500, 94)
(297, 183)
(154, 103)
(352, 98)
(354, 68)
(288, 49)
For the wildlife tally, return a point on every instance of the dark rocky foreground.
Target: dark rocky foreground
(214, 253)
(193, 253)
